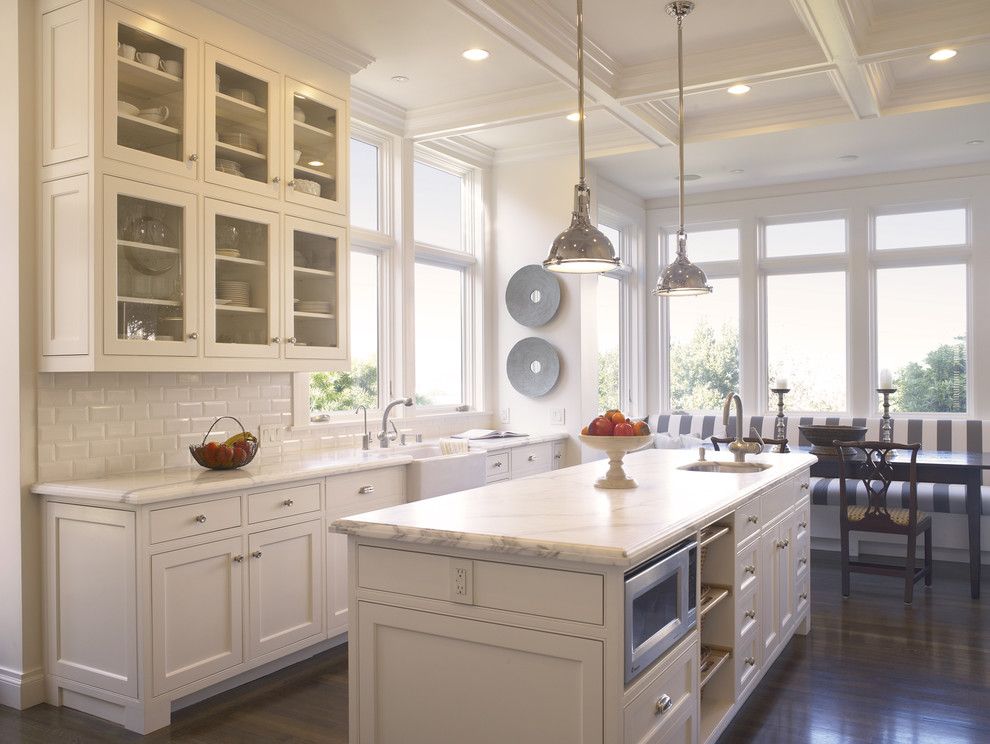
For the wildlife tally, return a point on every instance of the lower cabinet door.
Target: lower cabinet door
(770, 560)
(425, 678)
(285, 573)
(196, 612)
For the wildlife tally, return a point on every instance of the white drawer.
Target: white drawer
(497, 467)
(747, 520)
(778, 500)
(802, 524)
(530, 460)
(802, 557)
(195, 519)
(747, 613)
(803, 596)
(352, 491)
(655, 714)
(747, 661)
(748, 567)
(283, 502)
(558, 449)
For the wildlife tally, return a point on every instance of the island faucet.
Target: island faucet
(383, 437)
(739, 447)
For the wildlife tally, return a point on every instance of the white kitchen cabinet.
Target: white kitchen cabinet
(150, 66)
(777, 586)
(426, 678)
(65, 116)
(151, 300)
(196, 597)
(316, 128)
(285, 574)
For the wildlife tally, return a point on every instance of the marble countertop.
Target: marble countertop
(561, 514)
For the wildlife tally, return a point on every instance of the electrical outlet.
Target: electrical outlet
(460, 582)
(270, 434)
(504, 415)
(557, 416)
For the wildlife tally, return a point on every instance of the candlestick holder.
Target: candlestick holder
(780, 423)
(886, 422)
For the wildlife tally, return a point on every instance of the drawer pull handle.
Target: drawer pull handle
(804, 486)
(803, 561)
(750, 661)
(750, 570)
(532, 458)
(804, 595)
(256, 554)
(288, 502)
(751, 614)
(238, 558)
(557, 456)
(497, 464)
(803, 525)
(366, 489)
(664, 703)
(783, 543)
(753, 518)
(201, 518)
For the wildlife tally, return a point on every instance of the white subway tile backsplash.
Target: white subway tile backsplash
(105, 448)
(55, 433)
(104, 414)
(72, 450)
(214, 408)
(189, 410)
(87, 397)
(55, 471)
(151, 426)
(117, 397)
(71, 415)
(134, 412)
(176, 394)
(162, 410)
(148, 394)
(88, 431)
(119, 429)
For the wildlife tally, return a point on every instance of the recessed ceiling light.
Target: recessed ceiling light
(942, 54)
(738, 90)
(975, 142)
(476, 55)
(848, 157)
(315, 163)
(575, 116)
(736, 171)
(690, 177)
(400, 79)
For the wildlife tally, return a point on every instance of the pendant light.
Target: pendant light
(681, 277)
(581, 248)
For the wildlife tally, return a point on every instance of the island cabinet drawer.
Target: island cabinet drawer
(802, 519)
(530, 460)
(187, 520)
(283, 502)
(747, 613)
(777, 500)
(803, 595)
(497, 467)
(356, 489)
(748, 567)
(528, 590)
(747, 660)
(664, 710)
(747, 520)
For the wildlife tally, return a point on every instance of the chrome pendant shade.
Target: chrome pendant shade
(581, 248)
(680, 277)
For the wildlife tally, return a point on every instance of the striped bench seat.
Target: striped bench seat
(940, 498)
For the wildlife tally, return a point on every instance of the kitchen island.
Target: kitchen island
(498, 614)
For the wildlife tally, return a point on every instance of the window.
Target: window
(364, 206)
(924, 343)
(608, 334)
(707, 245)
(439, 339)
(806, 338)
(438, 206)
(805, 238)
(704, 347)
(921, 229)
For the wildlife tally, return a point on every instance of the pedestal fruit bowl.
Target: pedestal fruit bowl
(616, 448)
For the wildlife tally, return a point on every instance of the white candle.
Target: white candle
(886, 379)
(781, 384)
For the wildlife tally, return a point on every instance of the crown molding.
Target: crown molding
(780, 118)
(371, 109)
(464, 149)
(257, 15)
(602, 144)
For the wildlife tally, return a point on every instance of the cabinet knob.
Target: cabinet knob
(803, 561)
(291, 184)
(750, 661)
(753, 518)
(277, 340)
(238, 558)
(750, 570)
(497, 464)
(277, 179)
(556, 456)
(193, 336)
(781, 544)
(193, 158)
(751, 614)
(291, 339)
(201, 518)
(664, 703)
(787, 541)
(804, 486)
(366, 489)
(256, 554)
(288, 502)
(803, 525)
(804, 595)
(532, 458)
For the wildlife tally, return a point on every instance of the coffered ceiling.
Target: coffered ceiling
(810, 64)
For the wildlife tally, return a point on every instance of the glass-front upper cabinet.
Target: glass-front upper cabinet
(150, 286)
(316, 297)
(242, 286)
(150, 93)
(242, 124)
(315, 133)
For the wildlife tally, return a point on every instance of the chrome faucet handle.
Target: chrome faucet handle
(756, 435)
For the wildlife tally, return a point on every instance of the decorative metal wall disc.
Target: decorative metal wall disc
(533, 367)
(532, 296)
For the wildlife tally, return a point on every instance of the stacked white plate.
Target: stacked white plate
(307, 187)
(235, 293)
(239, 139)
(229, 166)
(229, 252)
(315, 306)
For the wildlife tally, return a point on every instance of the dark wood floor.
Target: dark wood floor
(872, 671)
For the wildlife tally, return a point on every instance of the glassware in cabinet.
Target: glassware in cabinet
(242, 272)
(316, 130)
(242, 148)
(150, 90)
(150, 284)
(316, 295)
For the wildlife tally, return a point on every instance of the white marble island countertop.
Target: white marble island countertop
(561, 514)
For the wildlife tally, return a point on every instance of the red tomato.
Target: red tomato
(601, 427)
(623, 430)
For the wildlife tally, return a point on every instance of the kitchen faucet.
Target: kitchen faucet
(365, 434)
(739, 447)
(383, 436)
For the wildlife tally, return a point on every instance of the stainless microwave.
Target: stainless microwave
(661, 605)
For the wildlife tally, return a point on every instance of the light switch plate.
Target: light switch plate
(504, 415)
(557, 416)
(270, 434)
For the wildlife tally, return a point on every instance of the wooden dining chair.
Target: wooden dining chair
(869, 463)
(779, 443)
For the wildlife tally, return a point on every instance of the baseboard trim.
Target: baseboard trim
(20, 690)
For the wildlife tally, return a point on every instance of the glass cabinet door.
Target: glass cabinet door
(150, 92)
(151, 301)
(316, 132)
(242, 148)
(316, 290)
(242, 272)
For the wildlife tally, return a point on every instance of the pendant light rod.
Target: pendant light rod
(680, 116)
(580, 68)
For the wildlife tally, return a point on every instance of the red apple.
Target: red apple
(623, 430)
(601, 427)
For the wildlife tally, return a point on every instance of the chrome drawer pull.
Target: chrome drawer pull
(532, 458)
(753, 518)
(803, 561)
(750, 570)
(201, 518)
(751, 614)
(288, 502)
(664, 703)
(256, 554)
(804, 595)
(804, 486)
(366, 489)
(803, 525)
(556, 456)
(750, 661)
(238, 558)
(497, 464)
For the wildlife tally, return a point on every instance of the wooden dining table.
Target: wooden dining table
(938, 466)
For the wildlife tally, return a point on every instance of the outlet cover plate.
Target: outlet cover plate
(557, 416)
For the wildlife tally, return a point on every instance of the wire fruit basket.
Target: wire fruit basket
(237, 451)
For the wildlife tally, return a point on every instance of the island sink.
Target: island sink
(715, 466)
